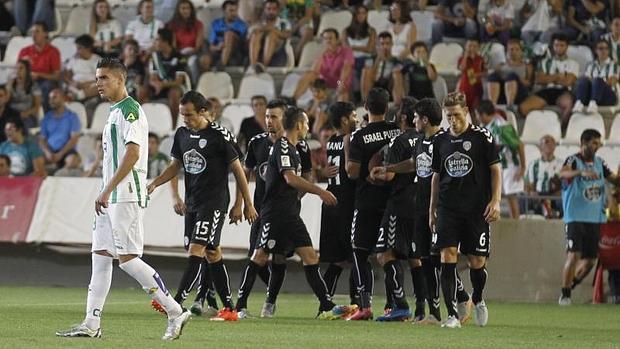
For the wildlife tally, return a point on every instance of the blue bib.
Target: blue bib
(583, 199)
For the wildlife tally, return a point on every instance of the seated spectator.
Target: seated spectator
(597, 86)
(25, 95)
(402, 29)
(144, 29)
(26, 156)
(319, 156)
(613, 39)
(378, 70)
(27, 13)
(361, 38)
(157, 161)
(509, 84)
(136, 71)
(6, 112)
(164, 79)
(498, 21)
(301, 16)
(455, 18)
(585, 20)
(227, 39)
(71, 168)
(60, 131)
(511, 153)
(541, 19)
(79, 74)
(269, 36)
(5, 165)
(217, 114)
(105, 30)
(419, 72)
(255, 124)
(317, 107)
(334, 65)
(44, 61)
(543, 178)
(473, 69)
(556, 74)
(188, 30)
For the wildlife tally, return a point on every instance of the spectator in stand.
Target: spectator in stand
(227, 38)
(317, 107)
(511, 153)
(71, 168)
(29, 12)
(26, 156)
(6, 112)
(157, 161)
(217, 114)
(268, 36)
(509, 84)
(556, 74)
(543, 178)
(44, 60)
(93, 164)
(541, 19)
(598, 83)
(255, 124)
(79, 74)
(455, 18)
(136, 72)
(5, 165)
(473, 69)
(164, 78)
(144, 29)
(105, 30)
(319, 155)
(402, 29)
(379, 70)
(60, 131)
(498, 20)
(335, 66)
(586, 20)
(613, 39)
(361, 38)
(301, 16)
(188, 30)
(419, 72)
(25, 95)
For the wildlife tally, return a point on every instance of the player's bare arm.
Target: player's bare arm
(170, 172)
(178, 203)
(567, 172)
(353, 169)
(405, 166)
(303, 185)
(491, 213)
(432, 209)
(236, 211)
(242, 185)
(132, 153)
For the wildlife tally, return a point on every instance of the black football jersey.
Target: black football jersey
(205, 155)
(365, 144)
(280, 198)
(463, 164)
(402, 195)
(424, 173)
(257, 156)
(341, 186)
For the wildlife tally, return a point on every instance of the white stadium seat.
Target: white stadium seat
(309, 55)
(582, 54)
(288, 88)
(165, 144)
(79, 109)
(495, 54)
(539, 123)
(77, 23)
(579, 122)
(614, 132)
(124, 14)
(335, 19)
(12, 49)
(100, 117)
(611, 155)
(66, 46)
(531, 153)
(235, 113)
(379, 20)
(259, 84)
(445, 57)
(216, 84)
(159, 118)
(207, 15)
(564, 151)
(440, 88)
(424, 24)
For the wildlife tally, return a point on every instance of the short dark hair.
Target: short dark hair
(131, 42)
(588, 135)
(114, 64)
(139, 7)
(384, 35)
(229, 3)
(197, 99)
(418, 44)
(263, 98)
(331, 30)
(19, 125)
(166, 35)
(85, 41)
(377, 101)
(337, 111)
(6, 158)
(154, 135)
(277, 103)
(601, 41)
(486, 107)
(292, 116)
(319, 84)
(273, 2)
(431, 109)
(41, 24)
(407, 109)
(559, 37)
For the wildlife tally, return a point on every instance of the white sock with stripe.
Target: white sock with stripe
(100, 281)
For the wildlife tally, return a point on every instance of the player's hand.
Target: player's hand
(377, 173)
(491, 213)
(250, 213)
(150, 188)
(179, 206)
(102, 202)
(235, 214)
(517, 177)
(330, 171)
(589, 174)
(328, 198)
(432, 220)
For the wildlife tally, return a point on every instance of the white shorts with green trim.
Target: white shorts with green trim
(120, 231)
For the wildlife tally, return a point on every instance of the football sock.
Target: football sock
(150, 281)
(316, 282)
(190, 277)
(448, 286)
(419, 289)
(461, 294)
(389, 297)
(247, 282)
(394, 280)
(361, 274)
(206, 290)
(576, 281)
(264, 273)
(278, 274)
(432, 270)
(478, 279)
(100, 281)
(566, 291)
(355, 298)
(222, 282)
(331, 277)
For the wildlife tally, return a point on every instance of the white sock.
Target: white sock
(153, 285)
(100, 281)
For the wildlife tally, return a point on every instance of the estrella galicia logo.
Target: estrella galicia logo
(458, 164)
(194, 162)
(592, 193)
(423, 165)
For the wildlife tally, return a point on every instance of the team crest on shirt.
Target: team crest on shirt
(285, 160)
(430, 149)
(262, 171)
(202, 143)
(423, 165)
(458, 164)
(194, 162)
(593, 193)
(467, 145)
(271, 243)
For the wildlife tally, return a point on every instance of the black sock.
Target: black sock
(331, 277)
(566, 291)
(394, 281)
(576, 281)
(448, 286)
(432, 270)
(461, 294)
(189, 279)
(278, 273)
(247, 282)
(264, 273)
(389, 297)
(316, 282)
(353, 295)
(361, 274)
(205, 290)
(222, 282)
(420, 289)
(478, 279)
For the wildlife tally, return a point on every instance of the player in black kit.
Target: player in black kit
(335, 245)
(206, 151)
(465, 196)
(366, 150)
(256, 161)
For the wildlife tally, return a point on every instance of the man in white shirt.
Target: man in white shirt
(80, 69)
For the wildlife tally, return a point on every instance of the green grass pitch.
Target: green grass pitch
(29, 316)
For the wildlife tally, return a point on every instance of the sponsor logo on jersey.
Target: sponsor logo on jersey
(285, 160)
(131, 117)
(593, 193)
(194, 162)
(202, 143)
(467, 145)
(423, 165)
(458, 164)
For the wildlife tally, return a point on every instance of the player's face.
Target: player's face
(457, 118)
(109, 83)
(303, 127)
(351, 122)
(591, 147)
(273, 120)
(192, 118)
(420, 122)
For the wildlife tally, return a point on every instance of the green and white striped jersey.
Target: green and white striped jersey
(506, 141)
(126, 124)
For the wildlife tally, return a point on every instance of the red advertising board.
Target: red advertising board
(609, 245)
(18, 198)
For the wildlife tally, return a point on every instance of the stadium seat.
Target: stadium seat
(564, 151)
(309, 55)
(445, 58)
(5, 74)
(494, 54)
(378, 20)
(66, 46)
(72, 3)
(288, 88)
(77, 23)
(217, 84)
(86, 146)
(59, 23)
(207, 15)
(578, 123)
(124, 14)
(582, 54)
(236, 113)
(531, 153)
(208, 3)
(159, 118)
(424, 24)
(614, 132)
(12, 49)
(256, 84)
(539, 123)
(611, 155)
(335, 19)
(79, 109)
(165, 144)
(440, 88)
(100, 117)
